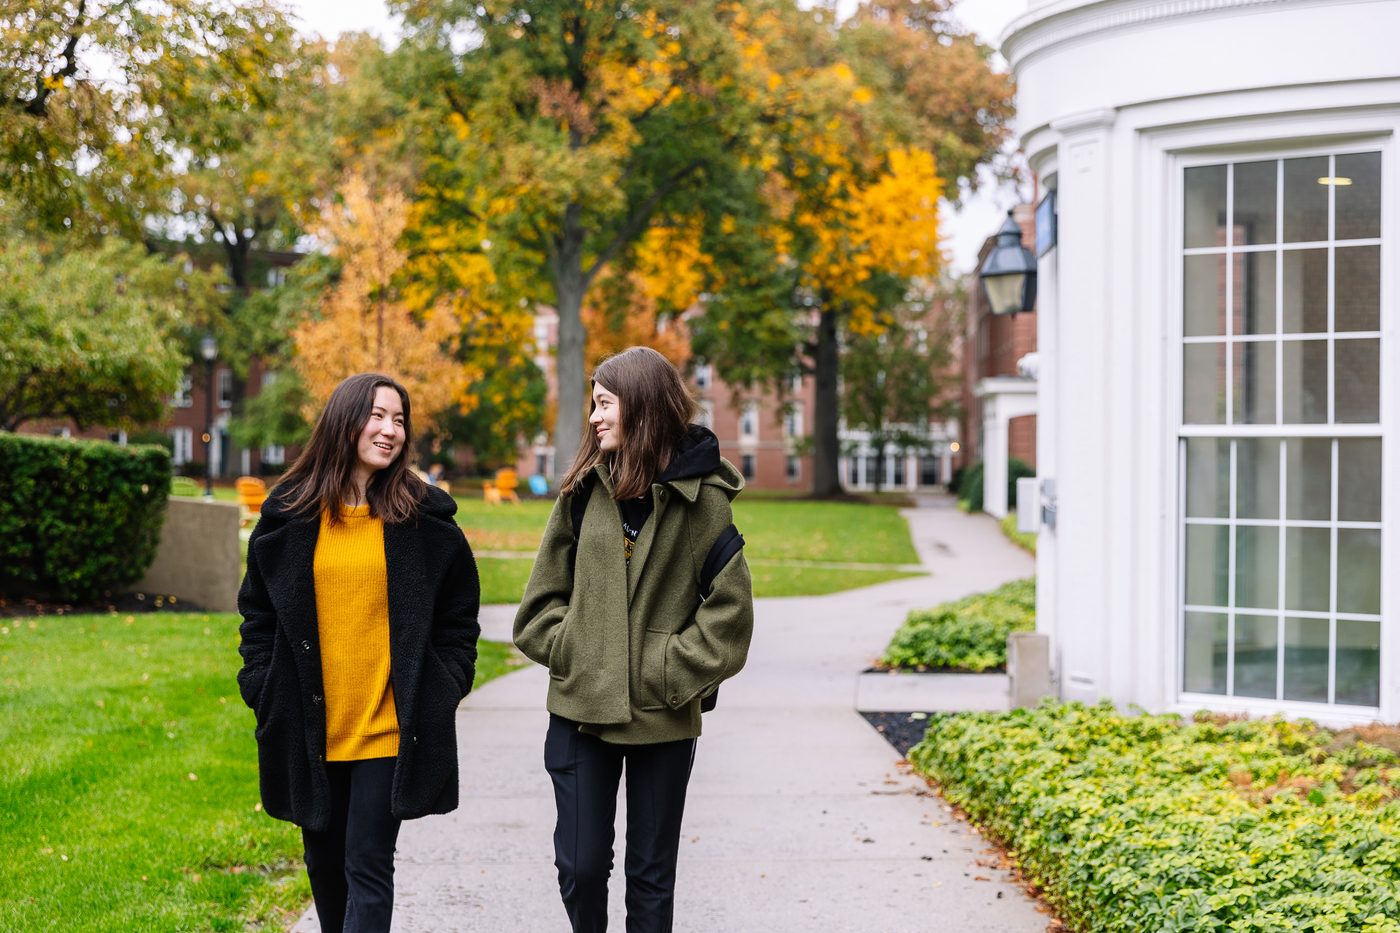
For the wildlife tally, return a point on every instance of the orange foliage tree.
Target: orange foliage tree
(364, 323)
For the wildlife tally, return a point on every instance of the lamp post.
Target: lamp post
(210, 351)
(1008, 272)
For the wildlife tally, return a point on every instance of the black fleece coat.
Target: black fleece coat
(434, 595)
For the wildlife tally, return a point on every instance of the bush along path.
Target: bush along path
(1136, 823)
(968, 635)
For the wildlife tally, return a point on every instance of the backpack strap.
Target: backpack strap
(577, 506)
(729, 543)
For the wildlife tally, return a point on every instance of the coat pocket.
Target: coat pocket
(560, 655)
(653, 679)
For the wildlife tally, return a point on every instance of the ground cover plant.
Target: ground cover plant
(966, 635)
(128, 779)
(1134, 823)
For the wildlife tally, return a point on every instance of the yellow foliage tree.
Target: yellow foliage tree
(364, 323)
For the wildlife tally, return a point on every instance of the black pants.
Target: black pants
(586, 771)
(351, 862)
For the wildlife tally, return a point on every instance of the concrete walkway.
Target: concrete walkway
(799, 817)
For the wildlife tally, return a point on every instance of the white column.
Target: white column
(1086, 564)
(995, 450)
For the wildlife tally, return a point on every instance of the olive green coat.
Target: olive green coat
(629, 653)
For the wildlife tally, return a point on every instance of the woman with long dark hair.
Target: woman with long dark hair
(358, 641)
(640, 604)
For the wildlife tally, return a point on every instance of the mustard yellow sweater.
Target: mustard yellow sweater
(352, 619)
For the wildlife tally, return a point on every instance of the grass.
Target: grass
(1026, 540)
(796, 580)
(783, 537)
(128, 779)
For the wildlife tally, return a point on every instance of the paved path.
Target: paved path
(799, 817)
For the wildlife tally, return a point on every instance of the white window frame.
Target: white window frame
(705, 413)
(704, 376)
(748, 422)
(792, 420)
(274, 455)
(1170, 247)
(223, 388)
(182, 445)
(184, 395)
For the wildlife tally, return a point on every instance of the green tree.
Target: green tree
(570, 130)
(894, 382)
(94, 335)
(84, 85)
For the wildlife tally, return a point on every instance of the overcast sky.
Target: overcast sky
(963, 230)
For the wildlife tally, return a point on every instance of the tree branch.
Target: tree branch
(44, 84)
(637, 221)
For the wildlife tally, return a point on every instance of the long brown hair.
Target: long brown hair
(656, 409)
(322, 478)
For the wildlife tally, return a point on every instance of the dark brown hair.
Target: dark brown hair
(655, 408)
(322, 478)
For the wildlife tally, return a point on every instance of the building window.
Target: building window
(184, 397)
(747, 465)
(704, 376)
(897, 465)
(225, 388)
(705, 417)
(276, 277)
(1280, 445)
(748, 422)
(794, 467)
(274, 455)
(182, 445)
(792, 420)
(795, 383)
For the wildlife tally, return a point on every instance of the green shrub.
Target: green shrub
(78, 518)
(967, 635)
(1144, 823)
(970, 488)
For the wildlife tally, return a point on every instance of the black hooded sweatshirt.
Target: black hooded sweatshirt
(696, 455)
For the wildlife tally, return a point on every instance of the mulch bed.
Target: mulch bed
(13, 607)
(902, 730)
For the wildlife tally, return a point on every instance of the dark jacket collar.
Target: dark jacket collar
(434, 502)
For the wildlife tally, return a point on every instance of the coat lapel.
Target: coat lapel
(286, 558)
(638, 562)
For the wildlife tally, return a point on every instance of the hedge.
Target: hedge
(967, 635)
(1134, 823)
(971, 483)
(78, 518)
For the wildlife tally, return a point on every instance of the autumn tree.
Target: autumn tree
(364, 323)
(872, 121)
(573, 129)
(95, 335)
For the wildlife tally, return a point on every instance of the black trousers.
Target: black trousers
(586, 772)
(351, 862)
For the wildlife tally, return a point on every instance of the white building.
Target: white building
(1217, 430)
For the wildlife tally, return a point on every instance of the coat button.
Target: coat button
(316, 698)
(415, 740)
(305, 645)
(675, 699)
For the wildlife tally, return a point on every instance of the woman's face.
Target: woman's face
(381, 439)
(606, 419)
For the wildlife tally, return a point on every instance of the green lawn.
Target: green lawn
(128, 779)
(784, 538)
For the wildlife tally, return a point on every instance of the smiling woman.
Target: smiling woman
(352, 545)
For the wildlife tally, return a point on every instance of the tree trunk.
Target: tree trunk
(879, 461)
(826, 440)
(570, 283)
